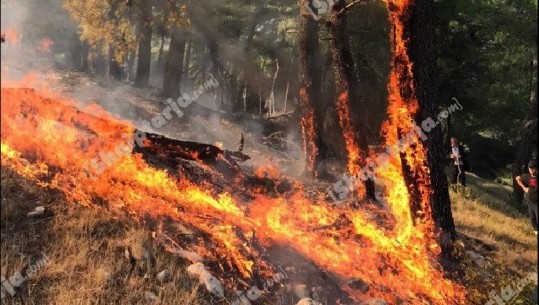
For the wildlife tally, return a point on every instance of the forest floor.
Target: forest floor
(492, 224)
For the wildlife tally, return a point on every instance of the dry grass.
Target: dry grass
(494, 225)
(488, 212)
(85, 248)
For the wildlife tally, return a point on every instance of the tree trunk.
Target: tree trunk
(159, 65)
(310, 87)
(218, 69)
(130, 66)
(187, 59)
(75, 52)
(99, 62)
(85, 52)
(142, 77)
(527, 145)
(174, 64)
(115, 70)
(422, 50)
(352, 127)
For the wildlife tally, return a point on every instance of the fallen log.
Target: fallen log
(172, 153)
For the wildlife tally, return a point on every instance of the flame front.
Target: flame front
(51, 143)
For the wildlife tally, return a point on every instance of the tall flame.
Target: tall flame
(308, 129)
(350, 140)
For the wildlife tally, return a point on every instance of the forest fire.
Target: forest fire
(403, 107)
(49, 139)
(48, 144)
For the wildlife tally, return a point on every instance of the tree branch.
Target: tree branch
(350, 6)
(354, 3)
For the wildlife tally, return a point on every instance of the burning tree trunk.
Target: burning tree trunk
(354, 130)
(414, 29)
(310, 86)
(527, 147)
(145, 44)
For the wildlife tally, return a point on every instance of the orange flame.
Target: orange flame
(48, 141)
(309, 132)
(350, 140)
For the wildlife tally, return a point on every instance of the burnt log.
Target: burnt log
(172, 153)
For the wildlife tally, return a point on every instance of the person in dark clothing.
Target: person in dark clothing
(459, 161)
(528, 183)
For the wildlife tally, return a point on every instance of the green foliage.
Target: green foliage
(485, 53)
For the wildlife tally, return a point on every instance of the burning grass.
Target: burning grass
(397, 264)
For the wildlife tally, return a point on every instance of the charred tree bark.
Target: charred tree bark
(174, 64)
(142, 77)
(310, 86)
(422, 48)
(527, 146)
(346, 86)
(343, 63)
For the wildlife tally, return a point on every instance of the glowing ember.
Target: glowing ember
(268, 171)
